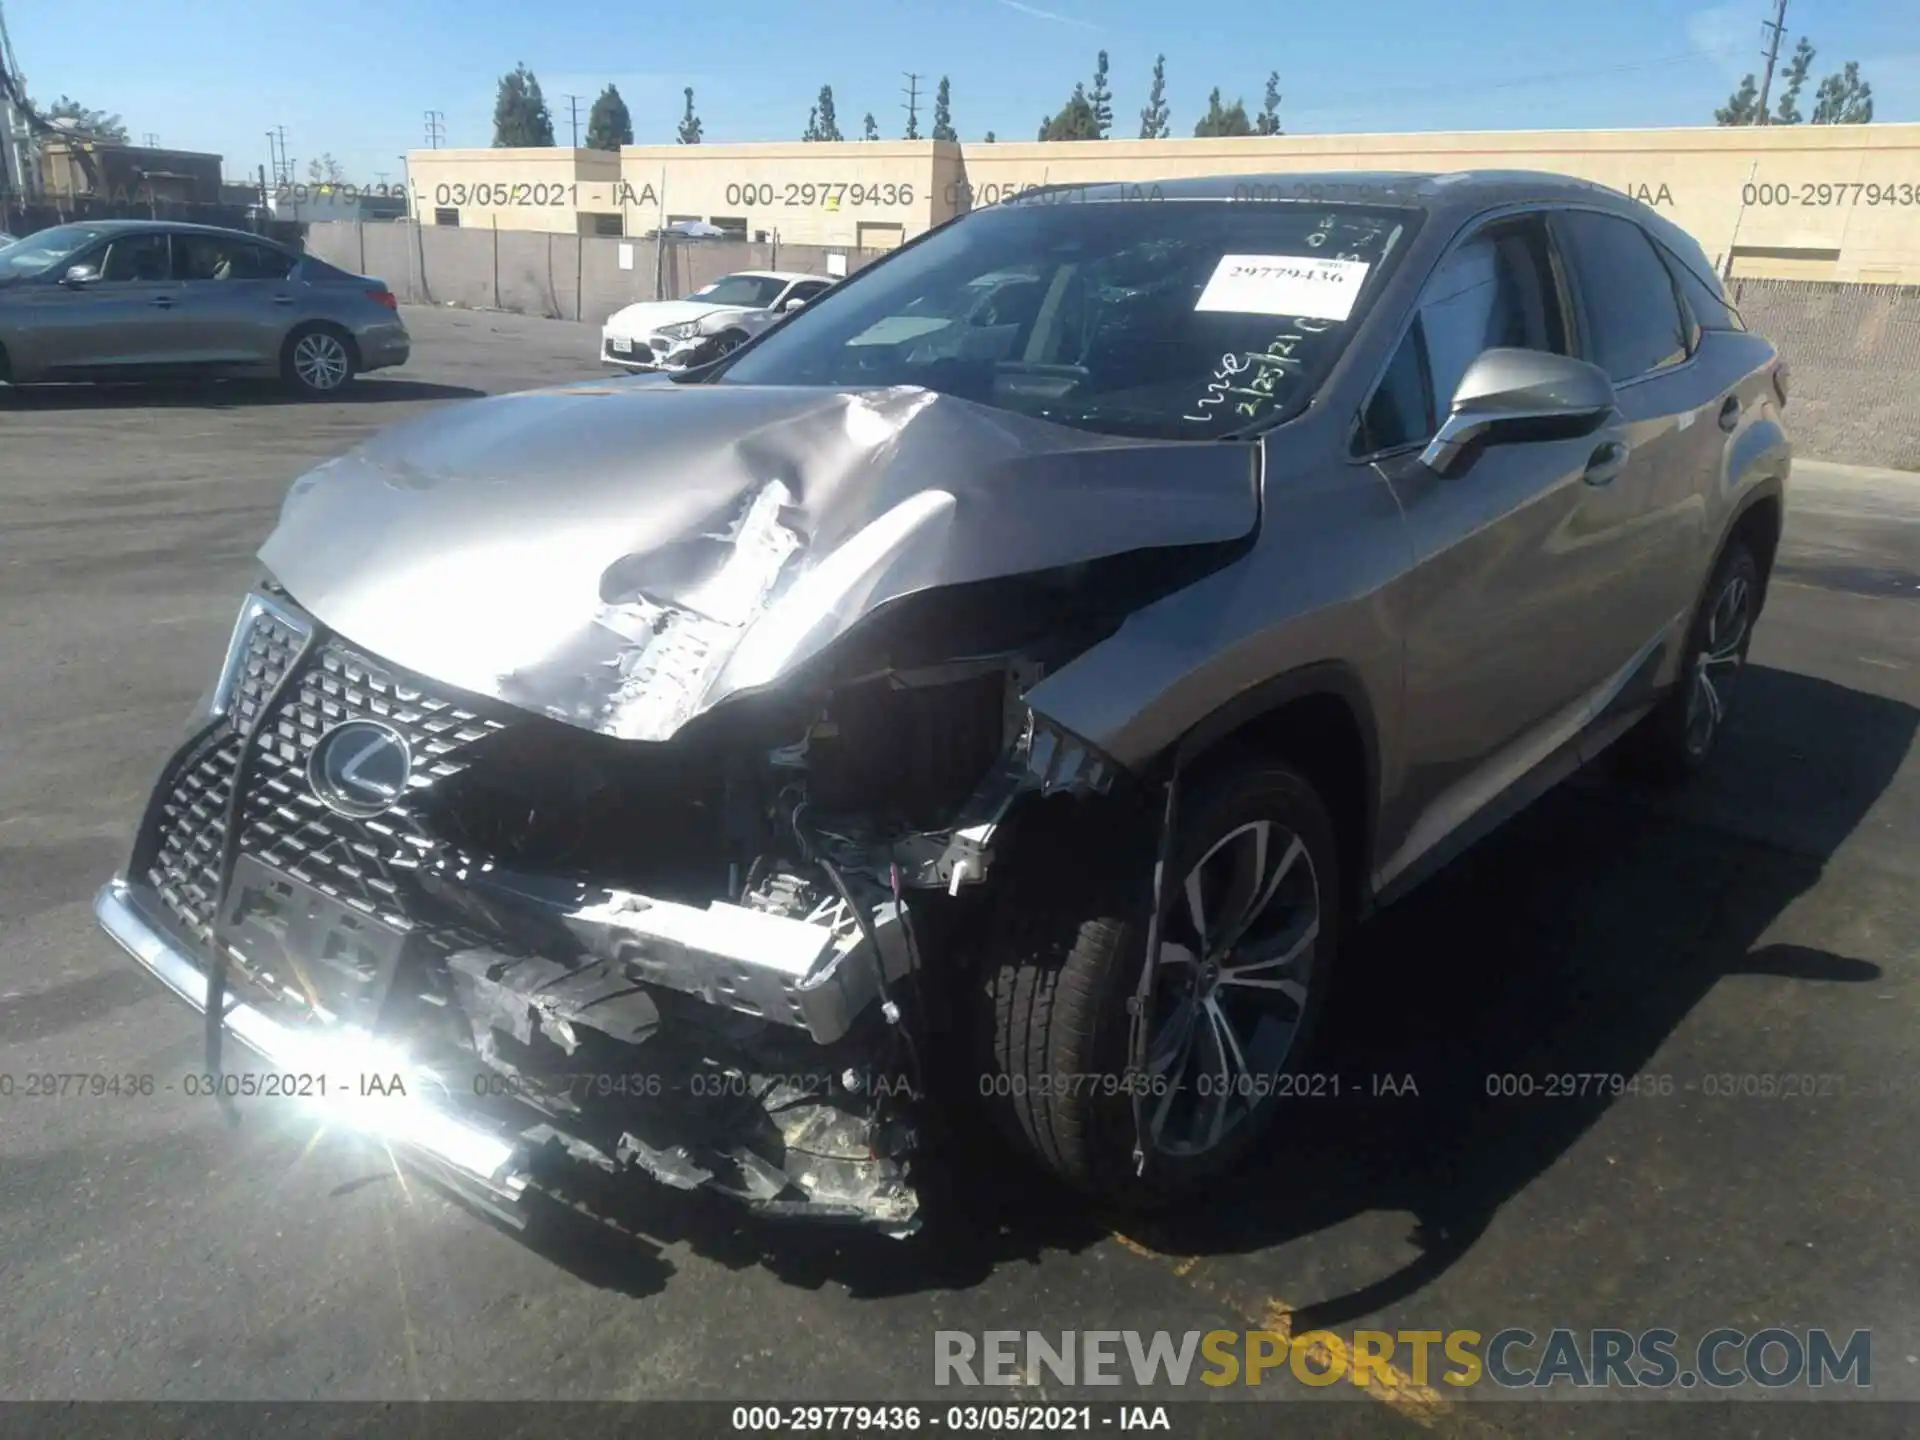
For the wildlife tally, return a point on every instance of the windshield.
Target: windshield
(1176, 320)
(41, 252)
(755, 292)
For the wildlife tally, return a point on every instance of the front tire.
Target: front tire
(317, 362)
(1248, 941)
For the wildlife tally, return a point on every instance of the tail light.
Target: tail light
(383, 297)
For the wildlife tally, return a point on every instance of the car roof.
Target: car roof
(773, 275)
(174, 227)
(1453, 194)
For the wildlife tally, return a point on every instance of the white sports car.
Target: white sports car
(662, 334)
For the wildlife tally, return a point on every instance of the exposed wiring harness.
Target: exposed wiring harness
(899, 1024)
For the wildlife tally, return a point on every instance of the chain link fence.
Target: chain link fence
(1854, 350)
(563, 277)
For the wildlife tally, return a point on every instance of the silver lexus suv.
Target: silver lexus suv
(681, 775)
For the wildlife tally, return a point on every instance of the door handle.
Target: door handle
(1730, 413)
(283, 299)
(1606, 463)
(162, 302)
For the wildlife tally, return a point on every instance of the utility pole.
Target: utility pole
(912, 107)
(277, 162)
(18, 171)
(151, 140)
(573, 109)
(277, 154)
(436, 128)
(1777, 31)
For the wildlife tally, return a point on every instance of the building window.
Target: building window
(683, 219)
(444, 216)
(609, 224)
(734, 225)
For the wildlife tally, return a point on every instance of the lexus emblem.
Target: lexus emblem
(360, 768)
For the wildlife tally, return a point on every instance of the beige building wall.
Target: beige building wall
(857, 193)
(1816, 202)
(556, 190)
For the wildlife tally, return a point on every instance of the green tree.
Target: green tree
(97, 124)
(1075, 121)
(326, 171)
(1153, 118)
(689, 122)
(1268, 122)
(1793, 80)
(1223, 120)
(1843, 98)
(609, 126)
(822, 123)
(990, 138)
(520, 116)
(873, 130)
(1101, 98)
(1742, 107)
(943, 112)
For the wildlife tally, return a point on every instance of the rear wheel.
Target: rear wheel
(317, 361)
(727, 342)
(1679, 735)
(1247, 943)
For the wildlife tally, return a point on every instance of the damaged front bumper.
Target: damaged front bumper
(485, 1167)
(734, 1033)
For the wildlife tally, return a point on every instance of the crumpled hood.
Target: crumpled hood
(624, 556)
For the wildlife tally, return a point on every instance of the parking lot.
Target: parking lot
(1763, 923)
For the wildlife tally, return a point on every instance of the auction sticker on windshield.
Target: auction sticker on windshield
(1296, 285)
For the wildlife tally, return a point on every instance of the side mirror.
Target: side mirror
(1515, 395)
(78, 275)
(793, 305)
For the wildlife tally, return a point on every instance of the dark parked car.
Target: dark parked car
(132, 299)
(681, 775)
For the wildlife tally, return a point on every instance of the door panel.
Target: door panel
(1515, 613)
(237, 308)
(1514, 572)
(128, 317)
(1633, 326)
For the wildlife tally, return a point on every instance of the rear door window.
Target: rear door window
(220, 258)
(1631, 321)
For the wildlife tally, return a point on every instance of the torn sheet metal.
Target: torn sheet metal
(623, 558)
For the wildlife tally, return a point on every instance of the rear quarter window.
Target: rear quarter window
(1702, 292)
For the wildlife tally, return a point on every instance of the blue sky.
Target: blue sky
(353, 77)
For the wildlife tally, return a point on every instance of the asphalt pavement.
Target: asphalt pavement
(1762, 923)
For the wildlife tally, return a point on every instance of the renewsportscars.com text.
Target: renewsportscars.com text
(1513, 1359)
